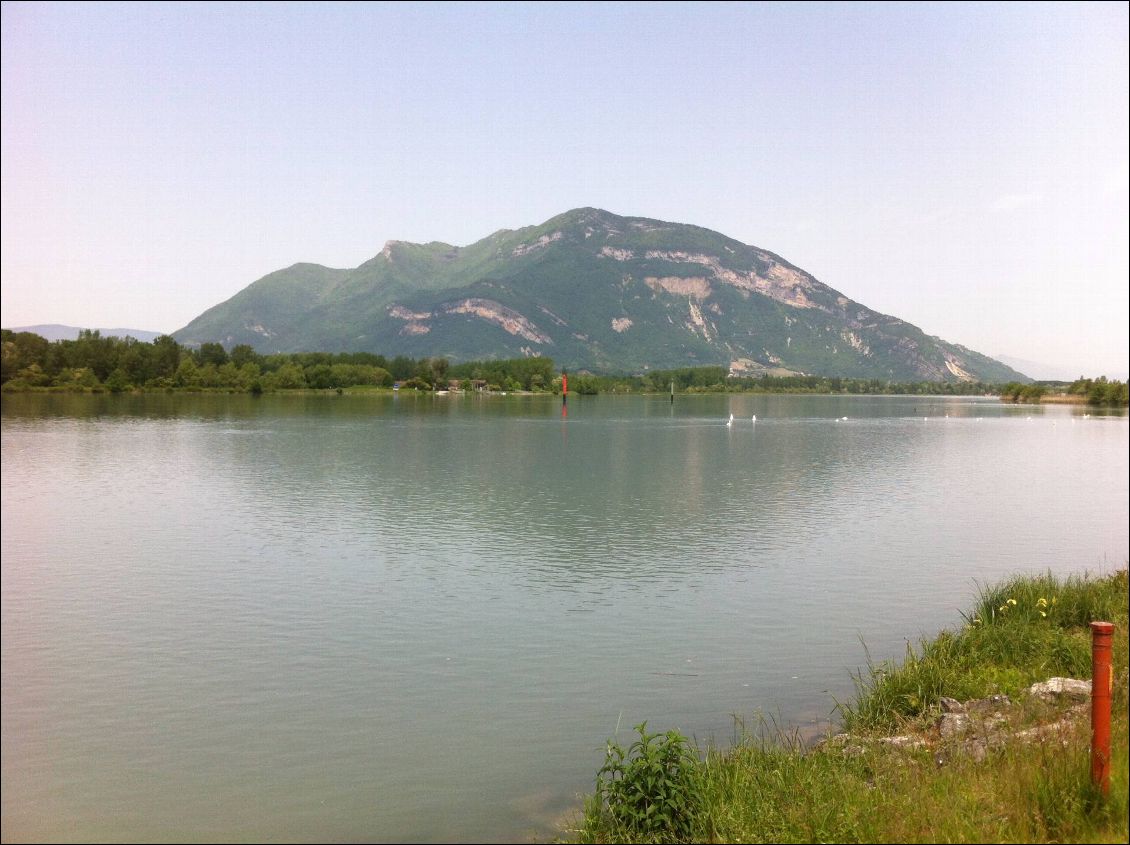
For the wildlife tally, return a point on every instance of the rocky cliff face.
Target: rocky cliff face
(591, 289)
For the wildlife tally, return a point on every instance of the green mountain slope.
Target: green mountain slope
(590, 289)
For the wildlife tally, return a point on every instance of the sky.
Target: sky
(963, 167)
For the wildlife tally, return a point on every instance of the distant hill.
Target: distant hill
(590, 289)
(1054, 372)
(55, 331)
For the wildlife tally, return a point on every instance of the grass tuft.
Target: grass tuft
(768, 788)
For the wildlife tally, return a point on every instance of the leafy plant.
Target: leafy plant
(653, 790)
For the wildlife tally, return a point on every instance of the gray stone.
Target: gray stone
(997, 720)
(832, 740)
(976, 748)
(984, 705)
(951, 705)
(1055, 688)
(902, 742)
(953, 724)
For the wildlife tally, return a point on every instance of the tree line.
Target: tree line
(716, 379)
(1098, 391)
(99, 363)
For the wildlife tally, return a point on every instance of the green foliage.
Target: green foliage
(94, 363)
(118, 381)
(532, 373)
(589, 385)
(244, 354)
(1014, 391)
(402, 367)
(288, 376)
(1101, 391)
(1024, 630)
(211, 353)
(772, 789)
(653, 790)
(438, 368)
(30, 362)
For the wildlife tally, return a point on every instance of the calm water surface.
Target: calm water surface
(419, 618)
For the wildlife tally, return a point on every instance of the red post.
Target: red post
(1102, 681)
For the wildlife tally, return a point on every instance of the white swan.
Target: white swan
(730, 421)
(754, 418)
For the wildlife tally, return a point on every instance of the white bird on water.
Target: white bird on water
(730, 421)
(754, 418)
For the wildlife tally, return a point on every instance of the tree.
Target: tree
(402, 367)
(211, 353)
(166, 356)
(187, 374)
(439, 370)
(244, 354)
(290, 376)
(118, 381)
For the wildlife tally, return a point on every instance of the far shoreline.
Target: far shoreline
(374, 390)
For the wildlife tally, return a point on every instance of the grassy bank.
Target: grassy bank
(1017, 773)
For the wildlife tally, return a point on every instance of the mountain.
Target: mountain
(56, 331)
(1057, 372)
(590, 289)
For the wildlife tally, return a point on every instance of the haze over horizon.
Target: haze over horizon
(962, 167)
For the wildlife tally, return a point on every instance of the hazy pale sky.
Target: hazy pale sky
(963, 167)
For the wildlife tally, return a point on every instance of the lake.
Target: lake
(418, 618)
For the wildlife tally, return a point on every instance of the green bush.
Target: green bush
(653, 791)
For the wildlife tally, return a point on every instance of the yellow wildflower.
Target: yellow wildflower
(1041, 602)
(1012, 601)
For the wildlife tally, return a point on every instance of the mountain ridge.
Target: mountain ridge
(591, 289)
(59, 331)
